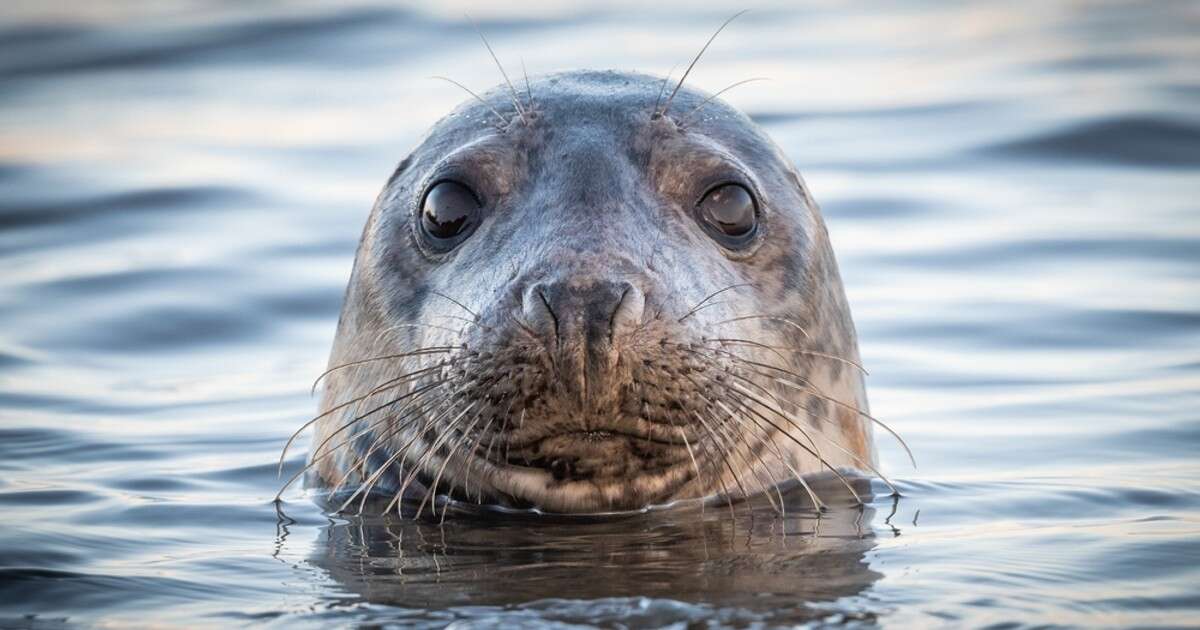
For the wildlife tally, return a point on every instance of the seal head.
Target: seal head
(591, 305)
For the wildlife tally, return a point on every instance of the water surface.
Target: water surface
(1012, 189)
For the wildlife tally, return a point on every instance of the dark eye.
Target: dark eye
(448, 212)
(729, 212)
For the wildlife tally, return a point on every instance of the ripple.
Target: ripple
(13, 216)
(1143, 140)
(1038, 326)
(29, 444)
(160, 329)
(81, 49)
(1006, 254)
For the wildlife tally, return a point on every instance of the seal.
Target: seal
(594, 294)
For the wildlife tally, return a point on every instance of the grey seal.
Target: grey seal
(592, 294)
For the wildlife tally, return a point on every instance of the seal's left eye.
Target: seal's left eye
(449, 211)
(729, 213)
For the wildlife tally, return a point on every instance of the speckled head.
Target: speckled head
(587, 305)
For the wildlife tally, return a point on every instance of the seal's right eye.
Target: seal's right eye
(448, 212)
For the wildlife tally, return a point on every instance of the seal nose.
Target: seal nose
(579, 320)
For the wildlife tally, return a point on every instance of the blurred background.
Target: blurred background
(1011, 187)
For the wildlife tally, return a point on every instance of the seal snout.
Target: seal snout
(579, 322)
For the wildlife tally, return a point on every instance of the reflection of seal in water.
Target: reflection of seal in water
(757, 569)
(616, 296)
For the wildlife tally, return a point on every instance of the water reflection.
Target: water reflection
(762, 563)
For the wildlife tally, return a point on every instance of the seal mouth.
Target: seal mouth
(592, 470)
(602, 454)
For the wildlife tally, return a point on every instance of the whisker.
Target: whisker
(833, 357)
(492, 442)
(470, 463)
(431, 326)
(402, 355)
(516, 99)
(662, 89)
(667, 105)
(779, 412)
(413, 416)
(720, 455)
(432, 490)
(365, 488)
(769, 484)
(813, 391)
(815, 451)
(528, 87)
(503, 120)
(683, 121)
(712, 295)
(817, 503)
(727, 451)
(320, 454)
(776, 318)
(456, 303)
(429, 452)
(691, 456)
(386, 385)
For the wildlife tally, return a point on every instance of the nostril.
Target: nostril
(628, 311)
(549, 309)
(538, 311)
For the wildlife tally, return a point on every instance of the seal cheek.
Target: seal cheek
(856, 435)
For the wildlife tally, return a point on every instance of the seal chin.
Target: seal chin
(538, 488)
(593, 471)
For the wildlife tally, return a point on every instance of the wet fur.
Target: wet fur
(590, 186)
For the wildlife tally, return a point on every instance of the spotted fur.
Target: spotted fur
(726, 373)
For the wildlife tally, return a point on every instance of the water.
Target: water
(1012, 190)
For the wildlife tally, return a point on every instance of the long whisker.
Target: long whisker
(778, 452)
(469, 462)
(711, 296)
(456, 303)
(516, 99)
(389, 384)
(503, 120)
(813, 391)
(809, 389)
(320, 454)
(812, 449)
(528, 87)
(779, 412)
(720, 455)
(401, 355)
(412, 416)
(488, 456)
(684, 119)
(691, 456)
(816, 501)
(813, 353)
(429, 451)
(430, 326)
(667, 105)
(662, 89)
(431, 491)
(776, 318)
(365, 488)
(769, 484)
